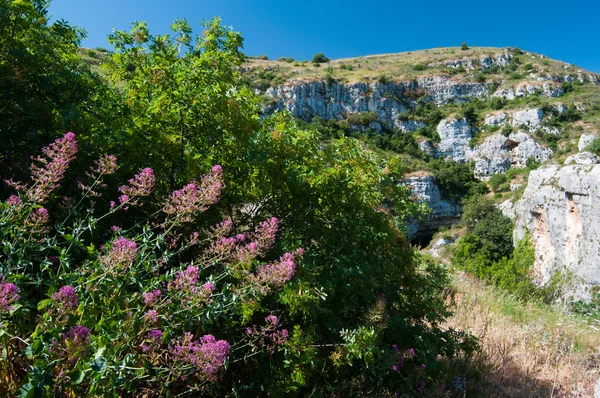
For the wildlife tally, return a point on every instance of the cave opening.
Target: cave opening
(422, 238)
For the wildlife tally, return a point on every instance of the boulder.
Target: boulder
(584, 141)
(582, 158)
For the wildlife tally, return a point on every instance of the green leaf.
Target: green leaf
(43, 304)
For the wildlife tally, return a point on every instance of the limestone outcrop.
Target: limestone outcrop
(444, 213)
(455, 136)
(560, 213)
(306, 100)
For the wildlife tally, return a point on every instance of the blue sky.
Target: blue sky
(567, 31)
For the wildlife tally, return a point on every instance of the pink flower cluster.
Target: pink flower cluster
(276, 274)
(46, 178)
(154, 339)
(192, 199)
(9, 294)
(13, 200)
(140, 185)
(264, 236)
(152, 298)
(38, 220)
(269, 332)
(65, 300)
(73, 346)
(207, 356)
(186, 282)
(122, 254)
(106, 165)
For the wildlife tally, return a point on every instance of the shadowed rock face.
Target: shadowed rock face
(560, 210)
(444, 213)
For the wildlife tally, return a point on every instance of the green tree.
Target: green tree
(183, 98)
(319, 58)
(45, 89)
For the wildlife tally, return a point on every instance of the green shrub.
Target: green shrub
(517, 51)
(496, 180)
(594, 146)
(480, 77)
(515, 75)
(329, 79)
(319, 58)
(528, 67)
(361, 118)
(383, 79)
(464, 46)
(281, 59)
(455, 179)
(289, 60)
(487, 250)
(316, 65)
(419, 67)
(532, 163)
(263, 57)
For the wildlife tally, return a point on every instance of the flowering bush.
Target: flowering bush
(87, 307)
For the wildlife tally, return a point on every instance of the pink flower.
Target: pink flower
(264, 236)
(206, 357)
(114, 229)
(39, 217)
(192, 199)
(13, 200)
(140, 185)
(107, 164)
(394, 347)
(151, 316)
(220, 230)
(46, 178)
(65, 300)
(276, 274)
(152, 298)
(73, 346)
(272, 321)
(280, 337)
(395, 368)
(9, 294)
(121, 254)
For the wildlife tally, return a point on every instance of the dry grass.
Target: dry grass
(527, 350)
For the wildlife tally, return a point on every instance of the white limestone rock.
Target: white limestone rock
(407, 126)
(443, 212)
(306, 100)
(530, 149)
(508, 209)
(584, 141)
(496, 119)
(455, 135)
(585, 158)
(505, 93)
(427, 147)
(560, 211)
(531, 119)
(492, 156)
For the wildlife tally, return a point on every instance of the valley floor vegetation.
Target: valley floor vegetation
(159, 236)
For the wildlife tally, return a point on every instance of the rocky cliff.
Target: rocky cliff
(443, 213)
(560, 212)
